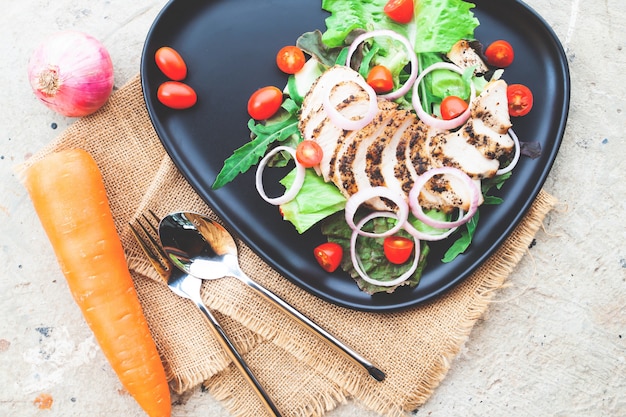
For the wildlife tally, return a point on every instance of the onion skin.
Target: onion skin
(72, 73)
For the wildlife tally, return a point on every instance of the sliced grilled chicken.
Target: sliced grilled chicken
(488, 142)
(351, 160)
(362, 162)
(395, 148)
(465, 56)
(389, 163)
(453, 150)
(492, 107)
(445, 193)
(333, 76)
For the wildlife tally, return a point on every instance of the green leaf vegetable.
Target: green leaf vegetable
(315, 201)
(437, 26)
(454, 21)
(279, 129)
(371, 253)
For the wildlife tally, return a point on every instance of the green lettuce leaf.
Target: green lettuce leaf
(315, 201)
(435, 28)
(454, 20)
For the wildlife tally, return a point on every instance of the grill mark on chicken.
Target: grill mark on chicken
(419, 149)
(375, 150)
(352, 164)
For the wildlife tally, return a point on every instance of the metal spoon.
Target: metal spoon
(205, 249)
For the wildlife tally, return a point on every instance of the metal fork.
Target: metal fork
(188, 286)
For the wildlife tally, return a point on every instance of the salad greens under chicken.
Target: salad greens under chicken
(394, 156)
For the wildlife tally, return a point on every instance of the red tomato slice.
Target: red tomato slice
(452, 106)
(398, 249)
(171, 63)
(400, 11)
(176, 95)
(329, 255)
(265, 102)
(290, 59)
(309, 153)
(380, 79)
(520, 99)
(500, 54)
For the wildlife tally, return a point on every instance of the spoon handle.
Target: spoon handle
(308, 324)
(236, 357)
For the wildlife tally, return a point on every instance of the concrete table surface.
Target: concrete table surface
(552, 344)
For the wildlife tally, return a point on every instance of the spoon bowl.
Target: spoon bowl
(205, 249)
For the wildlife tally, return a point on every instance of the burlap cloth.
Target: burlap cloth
(303, 375)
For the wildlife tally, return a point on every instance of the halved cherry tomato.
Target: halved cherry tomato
(400, 11)
(171, 63)
(500, 54)
(290, 59)
(176, 95)
(328, 255)
(398, 249)
(520, 99)
(265, 102)
(380, 79)
(452, 106)
(309, 153)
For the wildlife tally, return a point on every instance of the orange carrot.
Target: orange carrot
(70, 199)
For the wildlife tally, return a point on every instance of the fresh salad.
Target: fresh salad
(384, 72)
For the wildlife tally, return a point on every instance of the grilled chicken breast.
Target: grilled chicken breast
(396, 147)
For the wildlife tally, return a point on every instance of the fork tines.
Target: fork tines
(149, 244)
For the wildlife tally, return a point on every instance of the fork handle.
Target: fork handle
(238, 360)
(308, 324)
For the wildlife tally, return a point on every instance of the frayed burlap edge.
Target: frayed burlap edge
(241, 402)
(492, 275)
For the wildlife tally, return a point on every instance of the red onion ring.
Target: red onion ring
(410, 51)
(434, 121)
(516, 157)
(356, 261)
(417, 211)
(361, 196)
(297, 183)
(344, 123)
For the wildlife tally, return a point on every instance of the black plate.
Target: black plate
(230, 47)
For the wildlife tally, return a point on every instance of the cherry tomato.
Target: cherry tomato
(176, 95)
(500, 54)
(328, 255)
(400, 11)
(171, 63)
(309, 153)
(380, 79)
(290, 59)
(520, 99)
(398, 249)
(265, 102)
(452, 106)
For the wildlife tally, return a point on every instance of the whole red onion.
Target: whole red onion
(72, 73)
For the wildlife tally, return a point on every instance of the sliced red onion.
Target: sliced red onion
(291, 193)
(356, 261)
(435, 121)
(417, 211)
(410, 51)
(516, 157)
(343, 122)
(361, 196)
